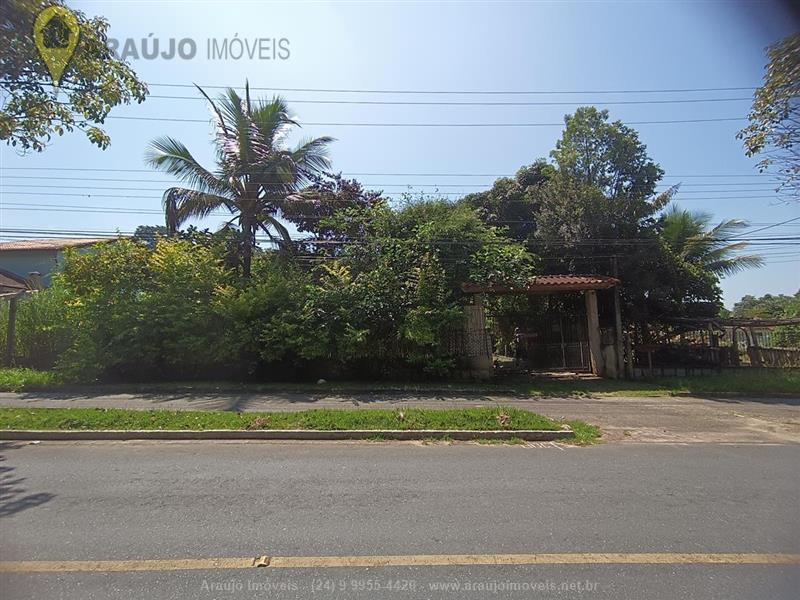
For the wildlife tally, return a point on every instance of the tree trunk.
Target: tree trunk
(247, 248)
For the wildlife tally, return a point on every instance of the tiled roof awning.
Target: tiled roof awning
(51, 244)
(546, 284)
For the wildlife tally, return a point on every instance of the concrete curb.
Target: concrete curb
(537, 435)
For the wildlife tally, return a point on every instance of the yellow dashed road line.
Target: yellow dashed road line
(423, 560)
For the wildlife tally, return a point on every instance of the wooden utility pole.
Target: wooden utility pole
(593, 327)
(618, 324)
(11, 330)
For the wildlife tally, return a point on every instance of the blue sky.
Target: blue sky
(484, 46)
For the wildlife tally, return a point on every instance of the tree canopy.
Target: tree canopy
(772, 306)
(595, 209)
(606, 156)
(255, 173)
(774, 129)
(688, 234)
(94, 82)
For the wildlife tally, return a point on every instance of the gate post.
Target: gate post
(478, 346)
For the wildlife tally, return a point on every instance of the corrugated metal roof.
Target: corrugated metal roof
(51, 244)
(545, 284)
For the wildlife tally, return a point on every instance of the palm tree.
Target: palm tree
(687, 234)
(255, 173)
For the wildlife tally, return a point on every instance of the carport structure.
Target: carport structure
(606, 359)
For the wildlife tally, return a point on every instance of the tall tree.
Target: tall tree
(599, 214)
(313, 208)
(607, 156)
(511, 203)
(33, 108)
(688, 234)
(774, 129)
(255, 172)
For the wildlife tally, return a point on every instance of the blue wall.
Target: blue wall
(23, 262)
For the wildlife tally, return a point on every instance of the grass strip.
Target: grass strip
(470, 419)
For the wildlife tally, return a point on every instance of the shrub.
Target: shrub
(42, 331)
(139, 314)
(387, 304)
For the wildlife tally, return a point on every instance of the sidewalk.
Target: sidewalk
(652, 419)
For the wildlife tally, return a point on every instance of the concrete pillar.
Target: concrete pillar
(593, 328)
(478, 345)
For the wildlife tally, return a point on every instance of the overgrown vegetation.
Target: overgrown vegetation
(374, 291)
(771, 306)
(17, 380)
(126, 312)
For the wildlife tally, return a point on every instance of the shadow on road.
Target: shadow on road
(14, 497)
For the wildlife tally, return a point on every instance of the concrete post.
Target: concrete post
(478, 345)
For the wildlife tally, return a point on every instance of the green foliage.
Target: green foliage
(149, 234)
(606, 156)
(19, 379)
(42, 331)
(138, 313)
(774, 129)
(255, 173)
(774, 307)
(411, 419)
(403, 281)
(688, 234)
(93, 83)
(267, 319)
(512, 204)
(595, 211)
(172, 308)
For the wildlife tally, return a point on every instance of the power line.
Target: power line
(484, 103)
(391, 195)
(457, 92)
(357, 174)
(432, 188)
(482, 185)
(786, 240)
(437, 125)
(774, 225)
(19, 206)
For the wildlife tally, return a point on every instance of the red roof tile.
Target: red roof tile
(545, 284)
(51, 244)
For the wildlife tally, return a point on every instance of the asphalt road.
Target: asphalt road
(128, 501)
